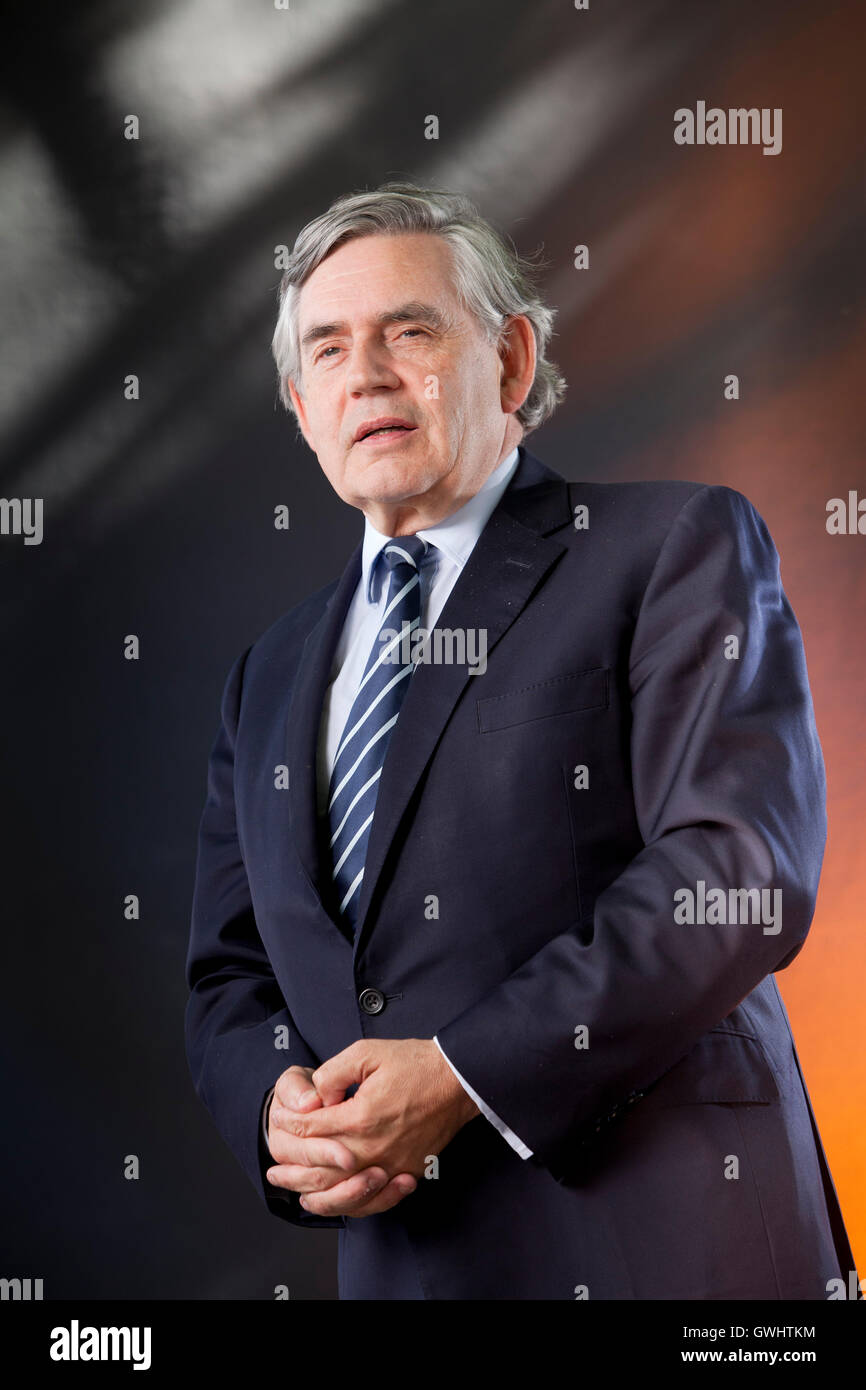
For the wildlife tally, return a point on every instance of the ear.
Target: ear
(518, 354)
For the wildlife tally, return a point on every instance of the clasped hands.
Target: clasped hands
(362, 1155)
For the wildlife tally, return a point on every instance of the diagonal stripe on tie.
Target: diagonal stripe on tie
(364, 742)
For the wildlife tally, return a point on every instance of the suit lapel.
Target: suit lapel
(508, 561)
(302, 732)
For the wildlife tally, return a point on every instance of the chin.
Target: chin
(391, 480)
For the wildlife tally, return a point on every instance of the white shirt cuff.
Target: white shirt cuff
(516, 1144)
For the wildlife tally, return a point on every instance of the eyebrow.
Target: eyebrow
(413, 311)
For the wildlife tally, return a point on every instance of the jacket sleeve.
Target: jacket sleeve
(728, 785)
(235, 1005)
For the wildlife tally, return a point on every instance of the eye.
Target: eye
(335, 347)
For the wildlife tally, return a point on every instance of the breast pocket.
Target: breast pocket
(583, 690)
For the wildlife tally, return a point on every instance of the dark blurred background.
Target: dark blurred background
(155, 257)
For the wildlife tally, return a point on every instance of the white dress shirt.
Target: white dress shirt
(454, 539)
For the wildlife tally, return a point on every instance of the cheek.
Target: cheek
(475, 382)
(456, 392)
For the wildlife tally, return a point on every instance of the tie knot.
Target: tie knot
(404, 550)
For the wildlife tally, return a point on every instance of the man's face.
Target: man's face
(382, 335)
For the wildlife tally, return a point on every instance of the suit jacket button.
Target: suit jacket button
(372, 1001)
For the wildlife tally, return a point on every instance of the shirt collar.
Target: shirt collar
(455, 535)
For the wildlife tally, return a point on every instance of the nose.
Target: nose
(369, 369)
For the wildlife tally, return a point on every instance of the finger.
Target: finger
(295, 1090)
(330, 1121)
(287, 1147)
(393, 1192)
(344, 1197)
(333, 1077)
(297, 1177)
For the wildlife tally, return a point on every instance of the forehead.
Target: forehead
(369, 273)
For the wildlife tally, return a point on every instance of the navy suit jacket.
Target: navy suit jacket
(675, 1152)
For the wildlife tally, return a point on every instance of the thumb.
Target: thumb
(333, 1077)
(298, 1091)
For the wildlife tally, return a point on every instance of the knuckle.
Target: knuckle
(362, 1118)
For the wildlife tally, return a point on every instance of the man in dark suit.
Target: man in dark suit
(487, 909)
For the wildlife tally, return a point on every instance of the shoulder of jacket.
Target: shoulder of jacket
(649, 510)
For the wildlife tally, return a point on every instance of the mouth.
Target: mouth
(388, 429)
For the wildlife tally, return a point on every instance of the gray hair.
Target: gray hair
(492, 280)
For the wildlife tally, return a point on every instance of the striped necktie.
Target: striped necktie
(361, 753)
